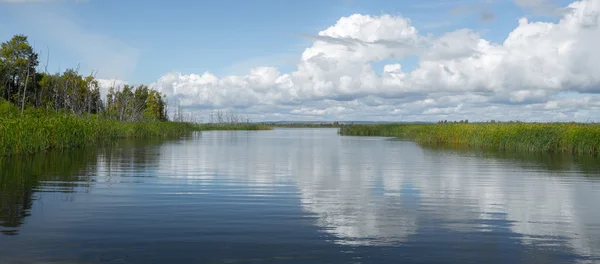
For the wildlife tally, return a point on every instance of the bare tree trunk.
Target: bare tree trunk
(5, 92)
(121, 108)
(89, 104)
(8, 90)
(220, 117)
(46, 72)
(18, 92)
(36, 100)
(55, 95)
(25, 89)
(65, 98)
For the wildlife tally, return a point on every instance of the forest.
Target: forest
(41, 111)
(29, 86)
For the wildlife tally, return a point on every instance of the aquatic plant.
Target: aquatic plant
(30, 134)
(575, 138)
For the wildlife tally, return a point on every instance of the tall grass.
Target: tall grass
(29, 135)
(36, 131)
(545, 137)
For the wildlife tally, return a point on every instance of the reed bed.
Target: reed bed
(30, 134)
(575, 138)
(36, 130)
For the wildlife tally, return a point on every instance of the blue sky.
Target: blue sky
(336, 59)
(224, 37)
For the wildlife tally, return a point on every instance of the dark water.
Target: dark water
(297, 196)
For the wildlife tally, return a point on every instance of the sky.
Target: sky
(337, 60)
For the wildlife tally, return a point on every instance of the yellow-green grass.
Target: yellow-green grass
(572, 138)
(36, 130)
(28, 134)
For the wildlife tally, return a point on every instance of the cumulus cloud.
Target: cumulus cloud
(459, 73)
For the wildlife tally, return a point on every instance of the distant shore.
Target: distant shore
(574, 138)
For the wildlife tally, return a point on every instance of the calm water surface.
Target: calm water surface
(297, 196)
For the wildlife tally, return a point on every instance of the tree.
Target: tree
(155, 107)
(18, 62)
(70, 91)
(135, 104)
(3, 78)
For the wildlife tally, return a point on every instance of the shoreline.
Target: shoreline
(573, 138)
(31, 134)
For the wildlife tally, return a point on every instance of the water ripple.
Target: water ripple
(297, 195)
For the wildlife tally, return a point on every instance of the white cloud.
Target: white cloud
(334, 78)
(106, 84)
(375, 196)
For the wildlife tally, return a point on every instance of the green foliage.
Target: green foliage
(36, 131)
(17, 69)
(541, 137)
(41, 111)
(23, 86)
(134, 104)
(70, 91)
(8, 110)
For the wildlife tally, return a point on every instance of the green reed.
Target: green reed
(38, 130)
(575, 138)
(34, 131)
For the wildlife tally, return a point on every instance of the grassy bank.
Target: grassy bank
(545, 137)
(30, 134)
(37, 130)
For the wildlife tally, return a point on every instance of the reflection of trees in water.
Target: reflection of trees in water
(20, 179)
(66, 172)
(128, 154)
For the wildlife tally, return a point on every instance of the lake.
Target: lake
(297, 196)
